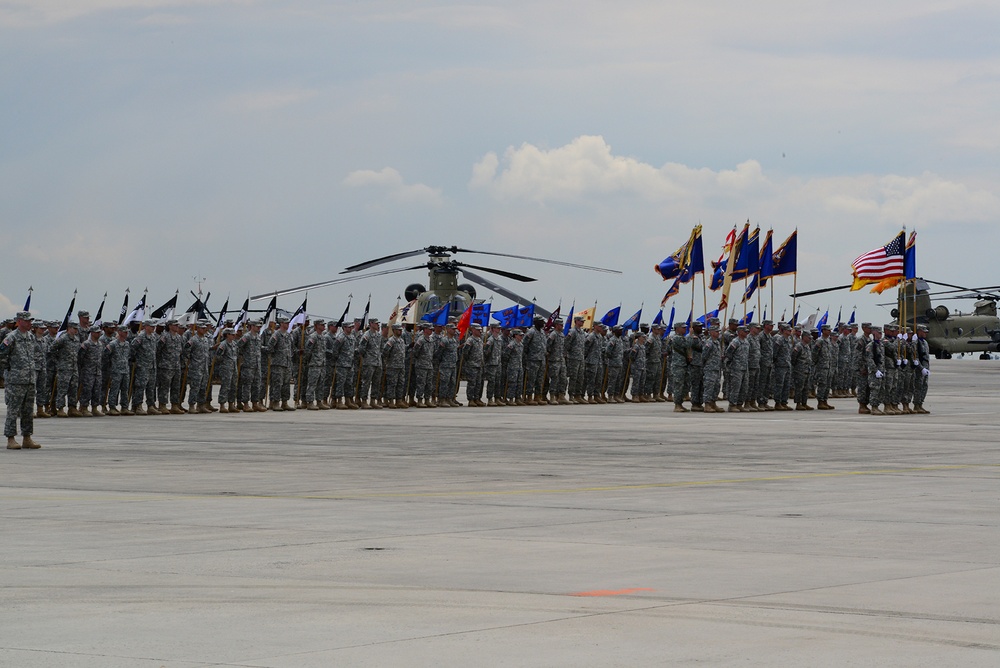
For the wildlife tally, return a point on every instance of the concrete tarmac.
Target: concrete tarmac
(620, 535)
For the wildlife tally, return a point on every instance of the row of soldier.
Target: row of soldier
(112, 370)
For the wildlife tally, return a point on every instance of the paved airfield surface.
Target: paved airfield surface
(555, 536)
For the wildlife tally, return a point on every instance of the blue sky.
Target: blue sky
(269, 144)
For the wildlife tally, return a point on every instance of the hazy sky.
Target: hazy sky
(264, 145)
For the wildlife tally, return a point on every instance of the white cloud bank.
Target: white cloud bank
(390, 182)
(586, 170)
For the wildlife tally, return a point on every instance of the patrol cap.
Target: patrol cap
(122, 328)
(74, 324)
(204, 323)
(94, 329)
(516, 332)
(474, 325)
(148, 323)
(866, 324)
(172, 321)
(841, 325)
(426, 325)
(496, 325)
(741, 328)
(806, 332)
(617, 329)
(734, 321)
(281, 319)
(784, 325)
(697, 323)
(35, 323)
(83, 314)
(827, 328)
(713, 328)
(228, 331)
(24, 315)
(922, 328)
(372, 321)
(397, 325)
(319, 321)
(876, 328)
(539, 318)
(767, 322)
(578, 317)
(679, 325)
(450, 325)
(258, 323)
(753, 325)
(557, 321)
(890, 325)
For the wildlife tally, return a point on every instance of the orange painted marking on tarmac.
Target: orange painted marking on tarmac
(611, 592)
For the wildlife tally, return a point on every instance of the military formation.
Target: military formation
(153, 368)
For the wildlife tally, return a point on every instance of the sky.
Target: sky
(146, 144)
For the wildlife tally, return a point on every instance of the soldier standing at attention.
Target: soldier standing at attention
(315, 360)
(614, 354)
(250, 385)
(64, 354)
(681, 356)
(765, 384)
(711, 364)
(534, 361)
(91, 382)
(574, 346)
(875, 367)
(738, 360)
(423, 366)
(555, 351)
(861, 380)
(370, 350)
(41, 357)
(922, 366)
(17, 359)
(447, 354)
(168, 369)
(824, 358)
(395, 368)
(144, 382)
(593, 354)
(472, 365)
(119, 353)
(802, 370)
(225, 364)
(197, 352)
(513, 353)
(279, 350)
(654, 362)
(493, 350)
(637, 368)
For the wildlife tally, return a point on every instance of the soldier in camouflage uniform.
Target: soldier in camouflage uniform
(492, 359)
(144, 380)
(169, 346)
(370, 351)
(614, 358)
(637, 368)
(555, 352)
(890, 348)
(314, 357)
(18, 361)
(91, 382)
(908, 357)
(824, 356)
(711, 364)
(345, 346)
(922, 370)
(845, 363)
(324, 394)
(695, 369)
(41, 364)
(119, 352)
(279, 350)
(861, 368)
(654, 362)
(226, 354)
(875, 368)
(472, 366)
(574, 350)
(63, 354)
(738, 363)
(447, 355)
(110, 328)
(196, 355)
(593, 357)
(782, 369)
(513, 354)
(51, 385)
(765, 382)
(394, 361)
(423, 366)
(681, 355)
(802, 360)
(534, 362)
(250, 386)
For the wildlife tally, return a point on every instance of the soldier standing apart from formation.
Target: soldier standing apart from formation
(395, 368)
(922, 370)
(225, 364)
(63, 354)
(91, 382)
(472, 365)
(17, 359)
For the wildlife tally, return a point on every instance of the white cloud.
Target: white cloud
(586, 171)
(390, 181)
(7, 307)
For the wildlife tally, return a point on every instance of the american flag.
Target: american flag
(883, 262)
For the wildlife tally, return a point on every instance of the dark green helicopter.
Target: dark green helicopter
(442, 277)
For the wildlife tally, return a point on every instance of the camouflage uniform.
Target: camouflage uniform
(63, 354)
(696, 370)
(861, 380)
(921, 366)
(472, 368)
(890, 348)
(344, 349)
(493, 357)
(681, 355)
(119, 353)
(875, 368)
(43, 390)
(824, 356)
(17, 359)
(197, 352)
(250, 386)
(225, 366)
(802, 371)
(637, 367)
(614, 353)
(91, 381)
(654, 361)
(782, 368)
(593, 356)
(447, 355)
(765, 379)
(395, 368)
(315, 360)
(738, 362)
(574, 348)
(513, 353)
(423, 365)
(279, 350)
(370, 350)
(168, 367)
(711, 364)
(144, 382)
(753, 371)
(534, 344)
(555, 350)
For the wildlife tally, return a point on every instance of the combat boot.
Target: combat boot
(248, 407)
(697, 408)
(824, 406)
(139, 410)
(175, 409)
(275, 406)
(113, 411)
(40, 412)
(679, 408)
(75, 412)
(85, 412)
(801, 407)
(96, 411)
(12, 443)
(338, 404)
(285, 406)
(127, 411)
(808, 407)
(864, 410)
(29, 443)
(223, 409)
(366, 404)
(923, 411)
(907, 409)
(734, 408)
(351, 403)
(162, 407)
(875, 410)
(562, 400)
(259, 407)
(402, 403)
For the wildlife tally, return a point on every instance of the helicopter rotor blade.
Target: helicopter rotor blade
(502, 291)
(819, 292)
(984, 290)
(499, 272)
(383, 260)
(336, 281)
(535, 259)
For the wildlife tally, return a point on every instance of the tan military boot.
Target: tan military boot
(285, 406)
(679, 408)
(260, 407)
(139, 410)
(312, 406)
(204, 409)
(40, 412)
(29, 443)
(864, 410)
(97, 412)
(162, 407)
(12, 443)
(113, 411)
(875, 410)
(223, 409)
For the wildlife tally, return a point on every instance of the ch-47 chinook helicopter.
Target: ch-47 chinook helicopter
(951, 332)
(442, 274)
